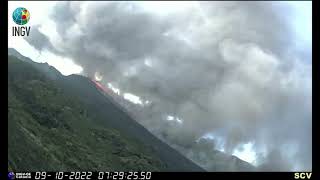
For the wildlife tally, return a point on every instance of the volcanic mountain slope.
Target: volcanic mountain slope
(64, 123)
(92, 108)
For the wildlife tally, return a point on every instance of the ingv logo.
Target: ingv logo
(21, 17)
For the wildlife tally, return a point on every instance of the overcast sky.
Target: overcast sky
(235, 71)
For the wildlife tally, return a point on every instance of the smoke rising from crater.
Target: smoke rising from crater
(228, 68)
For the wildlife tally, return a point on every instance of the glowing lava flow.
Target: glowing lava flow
(100, 86)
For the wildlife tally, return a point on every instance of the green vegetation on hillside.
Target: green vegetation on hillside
(50, 131)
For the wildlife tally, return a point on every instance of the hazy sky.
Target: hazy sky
(237, 72)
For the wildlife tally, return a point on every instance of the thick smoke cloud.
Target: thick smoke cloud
(226, 68)
(39, 40)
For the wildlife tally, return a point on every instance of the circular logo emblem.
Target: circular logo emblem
(11, 175)
(21, 16)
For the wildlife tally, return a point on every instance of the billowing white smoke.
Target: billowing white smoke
(232, 69)
(97, 76)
